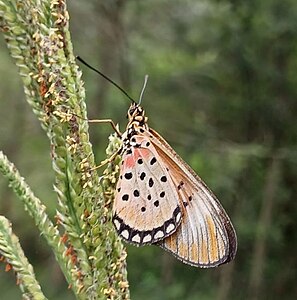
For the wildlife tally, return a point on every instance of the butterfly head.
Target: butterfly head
(136, 116)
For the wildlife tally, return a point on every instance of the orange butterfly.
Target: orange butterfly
(160, 200)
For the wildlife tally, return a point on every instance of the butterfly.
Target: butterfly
(160, 200)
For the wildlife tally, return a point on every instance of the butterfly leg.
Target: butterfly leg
(107, 160)
(67, 116)
(113, 125)
(113, 156)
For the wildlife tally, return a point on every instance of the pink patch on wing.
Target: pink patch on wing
(130, 160)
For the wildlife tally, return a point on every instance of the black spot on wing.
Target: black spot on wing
(151, 182)
(128, 175)
(125, 197)
(142, 175)
(153, 161)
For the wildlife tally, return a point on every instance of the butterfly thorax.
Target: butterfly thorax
(137, 124)
(136, 117)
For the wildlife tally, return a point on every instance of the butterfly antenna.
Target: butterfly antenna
(104, 76)
(143, 88)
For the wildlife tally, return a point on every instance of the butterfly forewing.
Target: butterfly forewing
(146, 207)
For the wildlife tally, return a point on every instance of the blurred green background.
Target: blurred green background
(222, 91)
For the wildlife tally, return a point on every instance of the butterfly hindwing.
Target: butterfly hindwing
(202, 238)
(146, 207)
(206, 236)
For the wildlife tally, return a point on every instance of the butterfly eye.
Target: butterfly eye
(131, 110)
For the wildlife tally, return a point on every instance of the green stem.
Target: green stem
(10, 248)
(38, 212)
